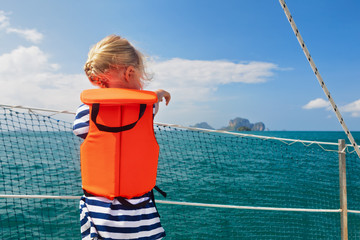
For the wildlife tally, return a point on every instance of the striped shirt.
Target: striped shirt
(102, 218)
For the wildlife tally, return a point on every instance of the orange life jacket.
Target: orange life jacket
(119, 156)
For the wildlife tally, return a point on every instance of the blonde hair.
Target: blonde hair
(112, 52)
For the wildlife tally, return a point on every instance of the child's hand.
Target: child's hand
(163, 94)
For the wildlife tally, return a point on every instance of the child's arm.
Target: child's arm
(160, 95)
(81, 123)
(163, 94)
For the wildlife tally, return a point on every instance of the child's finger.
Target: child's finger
(167, 98)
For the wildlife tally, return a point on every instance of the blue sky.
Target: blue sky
(219, 59)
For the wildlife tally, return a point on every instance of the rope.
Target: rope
(31, 109)
(247, 207)
(353, 211)
(287, 141)
(193, 204)
(40, 197)
(318, 76)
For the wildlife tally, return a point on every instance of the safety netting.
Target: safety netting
(218, 185)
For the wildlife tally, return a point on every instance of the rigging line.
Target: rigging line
(193, 204)
(318, 76)
(39, 196)
(238, 134)
(241, 135)
(31, 109)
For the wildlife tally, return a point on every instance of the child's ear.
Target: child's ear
(129, 71)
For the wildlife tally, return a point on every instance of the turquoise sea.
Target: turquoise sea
(195, 167)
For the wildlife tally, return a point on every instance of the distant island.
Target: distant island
(204, 125)
(237, 124)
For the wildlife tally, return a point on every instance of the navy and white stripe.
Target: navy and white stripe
(108, 219)
(81, 123)
(102, 218)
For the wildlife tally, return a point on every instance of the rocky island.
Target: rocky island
(203, 125)
(237, 124)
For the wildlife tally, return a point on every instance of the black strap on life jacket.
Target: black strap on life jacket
(95, 112)
(126, 203)
(164, 194)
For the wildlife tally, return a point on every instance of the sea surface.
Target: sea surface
(196, 167)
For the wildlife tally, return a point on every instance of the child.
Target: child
(115, 63)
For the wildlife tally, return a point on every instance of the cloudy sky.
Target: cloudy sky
(219, 59)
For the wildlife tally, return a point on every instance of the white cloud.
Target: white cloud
(4, 20)
(25, 60)
(317, 103)
(197, 80)
(353, 108)
(193, 84)
(31, 35)
(28, 78)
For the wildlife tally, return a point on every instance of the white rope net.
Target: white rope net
(221, 185)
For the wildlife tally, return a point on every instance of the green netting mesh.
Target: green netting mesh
(40, 156)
